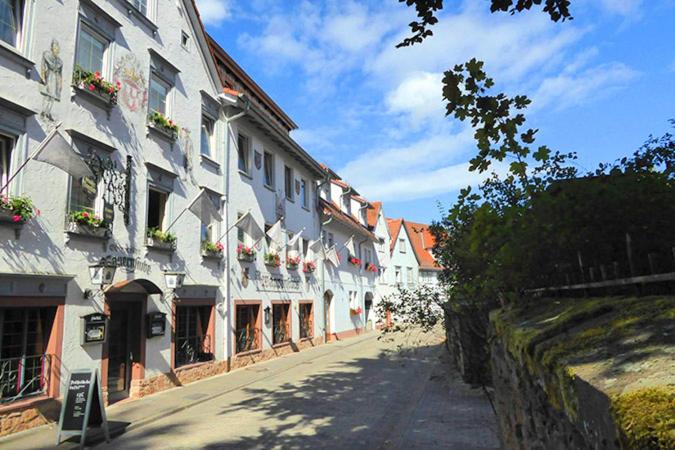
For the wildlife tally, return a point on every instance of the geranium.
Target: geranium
(21, 208)
(212, 247)
(272, 259)
(354, 261)
(293, 262)
(95, 82)
(355, 311)
(370, 267)
(160, 120)
(243, 250)
(83, 217)
(162, 236)
(309, 267)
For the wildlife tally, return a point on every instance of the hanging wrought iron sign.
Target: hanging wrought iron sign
(116, 182)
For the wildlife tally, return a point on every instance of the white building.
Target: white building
(412, 262)
(350, 282)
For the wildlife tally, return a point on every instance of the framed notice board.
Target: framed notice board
(82, 406)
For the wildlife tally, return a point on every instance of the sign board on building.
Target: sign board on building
(82, 406)
(94, 328)
(156, 324)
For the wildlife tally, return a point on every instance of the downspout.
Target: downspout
(226, 201)
(323, 285)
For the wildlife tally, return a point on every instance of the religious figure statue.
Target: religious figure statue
(51, 74)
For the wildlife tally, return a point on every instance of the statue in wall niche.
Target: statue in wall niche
(134, 92)
(51, 77)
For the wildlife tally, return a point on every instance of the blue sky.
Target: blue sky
(600, 84)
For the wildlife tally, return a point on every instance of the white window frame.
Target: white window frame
(7, 148)
(84, 26)
(289, 180)
(246, 153)
(165, 216)
(99, 203)
(304, 192)
(169, 93)
(401, 246)
(267, 156)
(21, 26)
(211, 137)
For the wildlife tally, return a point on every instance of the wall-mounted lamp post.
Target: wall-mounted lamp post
(100, 275)
(267, 315)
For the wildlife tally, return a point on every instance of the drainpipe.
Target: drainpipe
(323, 284)
(226, 201)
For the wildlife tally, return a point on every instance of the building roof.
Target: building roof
(422, 242)
(235, 78)
(329, 209)
(373, 213)
(394, 226)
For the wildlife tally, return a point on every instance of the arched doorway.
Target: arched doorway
(327, 300)
(368, 303)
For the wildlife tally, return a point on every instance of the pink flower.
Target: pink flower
(16, 218)
(97, 75)
(85, 215)
(92, 87)
(170, 122)
(38, 212)
(119, 85)
(111, 90)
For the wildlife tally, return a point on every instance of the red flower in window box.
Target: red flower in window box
(309, 267)
(370, 267)
(353, 260)
(355, 311)
(292, 262)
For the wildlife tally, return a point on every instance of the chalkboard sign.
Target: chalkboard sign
(156, 324)
(82, 406)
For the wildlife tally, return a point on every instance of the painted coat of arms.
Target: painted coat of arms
(134, 92)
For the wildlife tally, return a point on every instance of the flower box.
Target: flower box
(353, 260)
(355, 311)
(213, 254)
(7, 216)
(272, 260)
(309, 267)
(88, 231)
(102, 98)
(292, 263)
(169, 135)
(163, 126)
(370, 267)
(159, 244)
(93, 85)
(245, 257)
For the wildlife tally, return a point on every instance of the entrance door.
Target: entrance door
(123, 347)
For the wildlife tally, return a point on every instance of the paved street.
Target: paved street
(363, 395)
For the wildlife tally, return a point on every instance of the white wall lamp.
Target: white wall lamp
(100, 275)
(174, 280)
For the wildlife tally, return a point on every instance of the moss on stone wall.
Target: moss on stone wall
(646, 418)
(621, 346)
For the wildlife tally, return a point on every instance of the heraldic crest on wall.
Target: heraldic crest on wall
(134, 92)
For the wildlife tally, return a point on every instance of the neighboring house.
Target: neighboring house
(349, 284)
(377, 223)
(53, 56)
(422, 242)
(272, 302)
(403, 270)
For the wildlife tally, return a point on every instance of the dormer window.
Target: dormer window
(347, 204)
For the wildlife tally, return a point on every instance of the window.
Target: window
(157, 201)
(158, 95)
(91, 49)
(328, 239)
(281, 328)
(194, 342)
(247, 334)
(410, 279)
(401, 245)
(347, 203)
(241, 234)
(84, 196)
(269, 169)
(141, 5)
(304, 195)
(243, 152)
(288, 182)
(6, 146)
(207, 136)
(368, 256)
(397, 271)
(11, 21)
(185, 40)
(306, 312)
(24, 336)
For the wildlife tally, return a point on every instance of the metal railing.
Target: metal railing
(24, 376)
(280, 333)
(193, 349)
(246, 339)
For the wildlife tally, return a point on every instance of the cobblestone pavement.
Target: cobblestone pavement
(395, 393)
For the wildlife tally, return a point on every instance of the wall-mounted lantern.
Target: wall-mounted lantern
(174, 280)
(100, 275)
(267, 315)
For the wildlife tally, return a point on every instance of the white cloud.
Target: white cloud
(213, 12)
(419, 98)
(573, 89)
(622, 7)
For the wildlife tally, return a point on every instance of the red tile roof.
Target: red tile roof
(422, 242)
(340, 183)
(373, 213)
(330, 209)
(394, 226)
